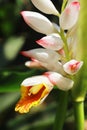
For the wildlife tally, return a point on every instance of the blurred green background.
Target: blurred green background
(16, 36)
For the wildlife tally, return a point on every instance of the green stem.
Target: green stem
(66, 49)
(63, 5)
(61, 111)
(79, 115)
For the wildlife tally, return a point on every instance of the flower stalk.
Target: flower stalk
(63, 5)
(66, 49)
(79, 115)
(61, 111)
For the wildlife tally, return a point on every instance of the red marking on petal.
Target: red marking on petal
(24, 53)
(22, 12)
(40, 42)
(77, 4)
(28, 99)
(43, 42)
(67, 10)
(48, 75)
(74, 66)
(61, 52)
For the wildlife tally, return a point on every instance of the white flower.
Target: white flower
(43, 55)
(72, 67)
(46, 58)
(52, 41)
(57, 56)
(69, 1)
(60, 81)
(33, 64)
(70, 15)
(38, 22)
(45, 6)
(36, 89)
(72, 39)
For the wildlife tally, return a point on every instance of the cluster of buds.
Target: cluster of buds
(58, 52)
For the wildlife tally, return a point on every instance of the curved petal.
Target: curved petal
(72, 38)
(69, 16)
(72, 67)
(52, 41)
(43, 55)
(35, 80)
(56, 67)
(69, 1)
(38, 22)
(33, 92)
(61, 82)
(45, 6)
(33, 64)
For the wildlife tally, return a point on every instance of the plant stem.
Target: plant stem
(79, 115)
(66, 49)
(61, 111)
(63, 5)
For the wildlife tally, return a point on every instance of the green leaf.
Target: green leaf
(12, 47)
(10, 99)
(10, 80)
(34, 120)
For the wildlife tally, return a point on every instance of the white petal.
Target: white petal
(33, 64)
(61, 82)
(72, 67)
(70, 15)
(69, 1)
(56, 26)
(56, 67)
(72, 31)
(61, 52)
(43, 55)
(52, 41)
(35, 80)
(45, 6)
(38, 22)
(72, 38)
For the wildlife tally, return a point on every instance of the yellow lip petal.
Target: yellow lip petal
(31, 97)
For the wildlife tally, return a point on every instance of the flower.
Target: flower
(72, 67)
(35, 89)
(52, 41)
(47, 58)
(69, 16)
(58, 54)
(45, 6)
(38, 22)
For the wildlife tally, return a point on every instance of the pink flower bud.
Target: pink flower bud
(72, 67)
(70, 15)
